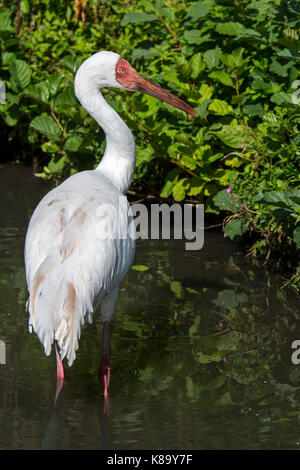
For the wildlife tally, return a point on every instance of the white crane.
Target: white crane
(70, 268)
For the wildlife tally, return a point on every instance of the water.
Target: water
(200, 351)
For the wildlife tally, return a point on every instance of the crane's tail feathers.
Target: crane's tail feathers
(56, 309)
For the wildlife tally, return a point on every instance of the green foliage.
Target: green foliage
(139, 267)
(235, 64)
(47, 126)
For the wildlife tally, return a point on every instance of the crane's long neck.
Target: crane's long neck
(118, 161)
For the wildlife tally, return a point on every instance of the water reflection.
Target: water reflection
(200, 351)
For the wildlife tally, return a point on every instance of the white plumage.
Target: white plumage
(70, 266)
(81, 237)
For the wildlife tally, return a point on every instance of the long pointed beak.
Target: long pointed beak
(144, 85)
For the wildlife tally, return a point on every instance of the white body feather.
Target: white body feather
(81, 237)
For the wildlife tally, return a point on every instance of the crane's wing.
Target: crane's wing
(79, 245)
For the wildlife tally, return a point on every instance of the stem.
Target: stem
(235, 153)
(236, 83)
(58, 122)
(238, 91)
(183, 167)
(171, 30)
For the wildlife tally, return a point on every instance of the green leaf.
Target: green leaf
(197, 10)
(234, 162)
(65, 99)
(201, 109)
(212, 57)
(254, 109)
(171, 77)
(144, 155)
(234, 229)
(230, 298)
(237, 55)
(5, 22)
(249, 33)
(268, 87)
(38, 92)
(176, 287)
(282, 98)
(235, 136)
(139, 267)
(220, 107)
(203, 358)
(205, 92)
(71, 62)
(56, 164)
(196, 65)
(54, 81)
(296, 236)
(226, 202)
(279, 69)
(20, 73)
(286, 199)
(194, 36)
(262, 7)
(188, 162)
(8, 57)
(50, 147)
(230, 29)
(235, 59)
(222, 77)
(11, 114)
(73, 143)
(24, 7)
(210, 189)
(272, 119)
(180, 189)
(196, 186)
(137, 17)
(171, 180)
(46, 125)
(140, 53)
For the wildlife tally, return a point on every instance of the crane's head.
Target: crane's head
(108, 69)
(130, 79)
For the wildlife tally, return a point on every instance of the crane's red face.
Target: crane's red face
(130, 79)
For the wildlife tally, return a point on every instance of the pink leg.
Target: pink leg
(104, 370)
(59, 386)
(106, 379)
(59, 364)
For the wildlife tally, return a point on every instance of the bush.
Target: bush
(236, 63)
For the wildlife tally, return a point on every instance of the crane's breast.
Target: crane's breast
(86, 226)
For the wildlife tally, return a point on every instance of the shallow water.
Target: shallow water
(200, 351)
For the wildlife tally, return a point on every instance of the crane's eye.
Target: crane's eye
(120, 70)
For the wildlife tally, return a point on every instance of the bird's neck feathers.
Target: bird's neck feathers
(118, 161)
